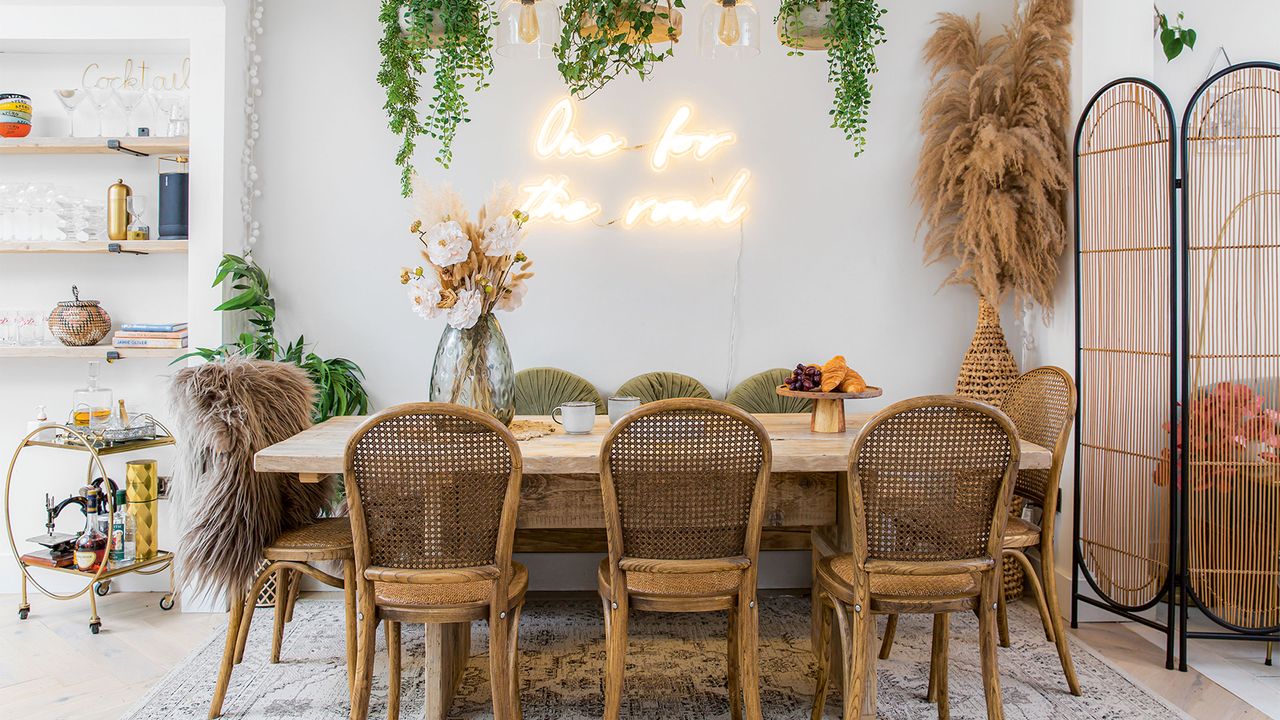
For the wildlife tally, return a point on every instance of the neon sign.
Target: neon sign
(557, 138)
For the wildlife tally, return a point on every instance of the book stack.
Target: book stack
(172, 336)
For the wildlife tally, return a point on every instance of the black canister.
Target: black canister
(174, 198)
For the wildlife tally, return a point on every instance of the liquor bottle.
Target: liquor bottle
(91, 546)
(123, 540)
(91, 405)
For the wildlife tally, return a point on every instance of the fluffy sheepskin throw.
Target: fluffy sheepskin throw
(226, 412)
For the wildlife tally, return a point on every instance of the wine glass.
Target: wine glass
(101, 99)
(128, 100)
(70, 99)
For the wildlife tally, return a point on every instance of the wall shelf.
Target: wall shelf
(139, 146)
(143, 247)
(90, 352)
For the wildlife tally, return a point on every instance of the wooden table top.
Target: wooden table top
(319, 450)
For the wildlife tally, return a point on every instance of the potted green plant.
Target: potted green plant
(455, 36)
(849, 31)
(1174, 38)
(602, 39)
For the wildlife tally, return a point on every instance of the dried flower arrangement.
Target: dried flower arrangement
(1230, 429)
(995, 167)
(472, 268)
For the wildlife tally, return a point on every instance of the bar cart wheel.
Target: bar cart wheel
(166, 602)
(95, 627)
(23, 613)
(102, 588)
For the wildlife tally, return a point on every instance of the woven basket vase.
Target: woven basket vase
(988, 369)
(79, 322)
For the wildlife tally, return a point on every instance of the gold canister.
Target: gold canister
(142, 489)
(118, 211)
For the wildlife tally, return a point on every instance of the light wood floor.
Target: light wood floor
(140, 643)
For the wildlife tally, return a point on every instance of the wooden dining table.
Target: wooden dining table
(561, 511)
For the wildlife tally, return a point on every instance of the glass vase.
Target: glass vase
(473, 368)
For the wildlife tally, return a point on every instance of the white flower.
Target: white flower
(466, 311)
(424, 293)
(502, 236)
(513, 296)
(447, 244)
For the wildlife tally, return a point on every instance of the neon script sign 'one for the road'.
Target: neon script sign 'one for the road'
(557, 138)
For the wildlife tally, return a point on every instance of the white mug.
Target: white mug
(620, 405)
(577, 417)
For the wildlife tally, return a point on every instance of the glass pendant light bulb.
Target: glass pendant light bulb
(528, 25)
(728, 31)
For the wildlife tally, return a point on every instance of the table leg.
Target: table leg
(448, 646)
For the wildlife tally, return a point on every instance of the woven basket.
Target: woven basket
(988, 369)
(1015, 578)
(79, 322)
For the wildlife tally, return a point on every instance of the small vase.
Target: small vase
(473, 368)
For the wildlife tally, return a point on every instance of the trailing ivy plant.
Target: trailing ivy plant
(339, 382)
(1174, 37)
(851, 34)
(455, 36)
(618, 40)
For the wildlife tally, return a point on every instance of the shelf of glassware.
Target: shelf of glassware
(136, 247)
(137, 146)
(90, 352)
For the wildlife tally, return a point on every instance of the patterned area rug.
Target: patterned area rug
(675, 670)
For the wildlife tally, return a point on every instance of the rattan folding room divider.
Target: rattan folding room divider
(1177, 472)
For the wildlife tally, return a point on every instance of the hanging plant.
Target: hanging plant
(1173, 36)
(849, 31)
(602, 39)
(454, 35)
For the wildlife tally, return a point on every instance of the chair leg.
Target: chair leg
(295, 587)
(1034, 581)
(513, 661)
(938, 665)
(366, 643)
(822, 654)
(1002, 618)
(349, 601)
(251, 604)
(855, 635)
(890, 629)
(735, 667)
(499, 661)
(749, 654)
(235, 616)
(1049, 579)
(816, 609)
(393, 669)
(987, 640)
(615, 631)
(284, 580)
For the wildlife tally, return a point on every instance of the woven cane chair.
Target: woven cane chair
(930, 481)
(434, 489)
(1042, 405)
(684, 484)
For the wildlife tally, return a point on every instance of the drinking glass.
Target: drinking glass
(27, 331)
(128, 100)
(8, 322)
(101, 99)
(70, 99)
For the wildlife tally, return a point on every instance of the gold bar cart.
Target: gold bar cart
(97, 583)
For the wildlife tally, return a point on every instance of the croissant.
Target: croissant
(853, 383)
(833, 373)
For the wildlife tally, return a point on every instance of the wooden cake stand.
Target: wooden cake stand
(828, 407)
